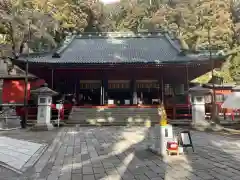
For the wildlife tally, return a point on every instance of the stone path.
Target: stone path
(113, 153)
(6, 173)
(30, 136)
(17, 153)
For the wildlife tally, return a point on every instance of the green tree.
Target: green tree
(18, 22)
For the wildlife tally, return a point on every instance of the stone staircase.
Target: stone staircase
(112, 116)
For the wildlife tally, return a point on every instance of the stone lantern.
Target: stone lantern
(44, 95)
(197, 98)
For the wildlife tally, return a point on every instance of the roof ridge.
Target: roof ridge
(119, 34)
(33, 54)
(68, 40)
(174, 45)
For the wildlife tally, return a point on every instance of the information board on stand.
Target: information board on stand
(185, 140)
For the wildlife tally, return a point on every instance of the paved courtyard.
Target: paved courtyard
(18, 153)
(113, 153)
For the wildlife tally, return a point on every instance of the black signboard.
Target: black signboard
(147, 85)
(90, 85)
(118, 85)
(185, 140)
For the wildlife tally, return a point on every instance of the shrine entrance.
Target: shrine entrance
(119, 92)
(149, 92)
(89, 93)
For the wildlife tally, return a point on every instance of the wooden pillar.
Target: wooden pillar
(76, 86)
(187, 81)
(134, 92)
(104, 91)
(163, 88)
(52, 78)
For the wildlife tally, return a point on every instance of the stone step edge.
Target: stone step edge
(4, 165)
(108, 124)
(9, 129)
(34, 159)
(102, 125)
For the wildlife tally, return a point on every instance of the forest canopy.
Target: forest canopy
(198, 24)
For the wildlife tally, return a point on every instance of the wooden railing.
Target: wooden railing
(32, 114)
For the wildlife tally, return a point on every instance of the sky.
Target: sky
(109, 1)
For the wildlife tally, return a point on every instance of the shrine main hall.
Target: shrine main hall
(120, 68)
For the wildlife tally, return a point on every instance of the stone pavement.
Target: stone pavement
(31, 136)
(24, 135)
(113, 153)
(6, 173)
(17, 153)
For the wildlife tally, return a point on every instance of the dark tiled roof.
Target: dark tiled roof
(224, 85)
(18, 72)
(118, 48)
(44, 90)
(17, 77)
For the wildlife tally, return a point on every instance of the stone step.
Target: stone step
(127, 112)
(115, 123)
(112, 112)
(115, 110)
(105, 124)
(110, 121)
(100, 119)
(112, 116)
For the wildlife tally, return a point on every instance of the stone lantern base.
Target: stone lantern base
(42, 127)
(207, 126)
(202, 125)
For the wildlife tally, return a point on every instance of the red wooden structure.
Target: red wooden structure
(126, 68)
(221, 91)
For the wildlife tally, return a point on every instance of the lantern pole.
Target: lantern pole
(214, 116)
(24, 120)
(187, 73)
(162, 85)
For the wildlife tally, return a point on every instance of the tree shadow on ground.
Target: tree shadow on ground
(121, 153)
(215, 157)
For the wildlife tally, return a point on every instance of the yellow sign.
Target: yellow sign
(163, 116)
(163, 122)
